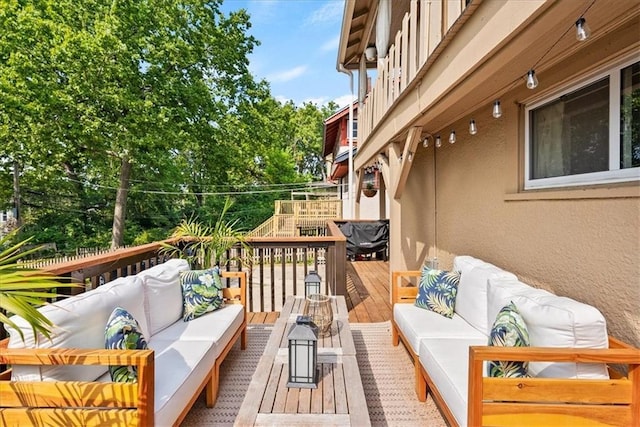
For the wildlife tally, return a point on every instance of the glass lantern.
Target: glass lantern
(312, 283)
(303, 354)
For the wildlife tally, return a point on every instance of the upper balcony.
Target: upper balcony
(447, 58)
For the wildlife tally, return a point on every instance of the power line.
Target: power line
(207, 193)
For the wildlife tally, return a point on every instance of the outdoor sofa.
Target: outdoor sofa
(569, 379)
(66, 381)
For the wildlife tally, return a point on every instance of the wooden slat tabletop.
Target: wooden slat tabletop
(339, 398)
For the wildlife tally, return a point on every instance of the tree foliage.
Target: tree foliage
(159, 90)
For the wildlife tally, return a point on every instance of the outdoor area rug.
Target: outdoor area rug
(386, 372)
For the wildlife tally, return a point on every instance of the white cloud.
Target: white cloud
(287, 75)
(330, 11)
(330, 45)
(344, 100)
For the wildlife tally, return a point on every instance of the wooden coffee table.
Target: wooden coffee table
(339, 398)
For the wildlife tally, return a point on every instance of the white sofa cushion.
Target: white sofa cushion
(446, 361)
(163, 303)
(464, 263)
(416, 323)
(80, 322)
(554, 321)
(217, 326)
(471, 301)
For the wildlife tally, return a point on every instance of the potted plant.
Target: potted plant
(369, 189)
(23, 290)
(205, 246)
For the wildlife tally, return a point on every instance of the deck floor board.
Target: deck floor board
(367, 296)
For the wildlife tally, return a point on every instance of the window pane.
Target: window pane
(630, 116)
(570, 136)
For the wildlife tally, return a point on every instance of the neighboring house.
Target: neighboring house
(548, 186)
(336, 154)
(7, 222)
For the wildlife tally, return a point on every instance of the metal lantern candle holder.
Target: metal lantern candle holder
(303, 354)
(312, 283)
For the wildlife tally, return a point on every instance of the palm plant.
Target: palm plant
(23, 290)
(205, 246)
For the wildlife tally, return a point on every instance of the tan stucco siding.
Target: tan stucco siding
(586, 249)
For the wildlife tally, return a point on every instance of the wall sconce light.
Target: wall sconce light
(370, 53)
(473, 129)
(532, 80)
(303, 354)
(497, 109)
(582, 30)
(312, 283)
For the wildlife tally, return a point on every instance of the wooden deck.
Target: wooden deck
(367, 294)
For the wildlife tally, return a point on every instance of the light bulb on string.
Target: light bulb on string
(438, 141)
(425, 142)
(452, 137)
(532, 80)
(497, 109)
(582, 30)
(473, 129)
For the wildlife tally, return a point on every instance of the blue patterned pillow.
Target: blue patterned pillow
(201, 292)
(509, 330)
(437, 291)
(123, 332)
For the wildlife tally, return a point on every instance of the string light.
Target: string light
(497, 109)
(532, 80)
(438, 141)
(425, 142)
(452, 137)
(473, 129)
(582, 30)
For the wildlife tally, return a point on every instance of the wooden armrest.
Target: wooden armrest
(554, 354)
(74, 356)
(78, 402)
(236, 295)
(529, 401)
(400, 293)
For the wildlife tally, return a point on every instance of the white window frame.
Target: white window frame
(614, 174)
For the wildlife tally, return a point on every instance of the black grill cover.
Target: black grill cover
(366, 237)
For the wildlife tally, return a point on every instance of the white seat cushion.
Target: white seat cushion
(217, 327)
(446, 361)
(80, 322)
(163, 303)
(417, 323)
(554, 321)
(180, 367)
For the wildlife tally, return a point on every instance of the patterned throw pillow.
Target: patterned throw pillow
(437, 291)
(509, 330)
(201, 292)
(123, 332)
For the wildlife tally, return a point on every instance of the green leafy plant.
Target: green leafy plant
(205, 246)
(23, 290)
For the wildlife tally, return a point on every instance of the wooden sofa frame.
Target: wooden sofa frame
(100, 403)
(534, 401)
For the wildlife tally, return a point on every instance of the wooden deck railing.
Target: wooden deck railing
(423, 28)
(276, 266)
(299, 218)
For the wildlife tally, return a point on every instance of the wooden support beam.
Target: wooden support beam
(384, 170)
(413, 138)
(359, 181)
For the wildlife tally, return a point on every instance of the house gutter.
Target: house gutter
(352, 199)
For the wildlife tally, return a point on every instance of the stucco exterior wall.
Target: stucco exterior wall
(456, 203)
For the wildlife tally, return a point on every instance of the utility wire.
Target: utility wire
(219, 193)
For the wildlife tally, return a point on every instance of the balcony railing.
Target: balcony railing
(423, 28)
(299, 217)
(276, 266)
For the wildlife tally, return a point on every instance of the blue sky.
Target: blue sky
(299, 46)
